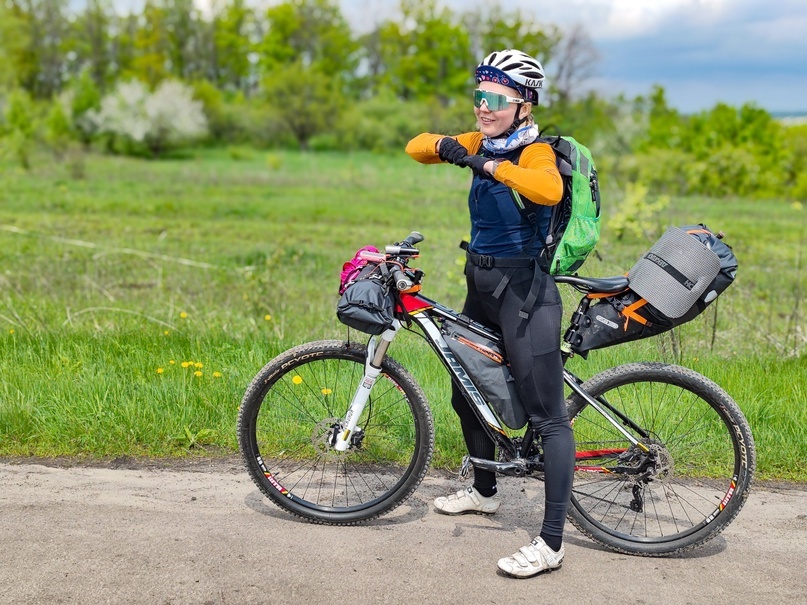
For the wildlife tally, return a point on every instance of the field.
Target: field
(137, 303)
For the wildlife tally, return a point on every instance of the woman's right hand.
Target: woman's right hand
(450, 150)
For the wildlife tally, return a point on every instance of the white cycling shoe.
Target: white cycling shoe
(467, 501)
(532, 559)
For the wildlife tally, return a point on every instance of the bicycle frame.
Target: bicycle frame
(425, 313)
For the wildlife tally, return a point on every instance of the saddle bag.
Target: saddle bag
(671, 284)
(485, 364)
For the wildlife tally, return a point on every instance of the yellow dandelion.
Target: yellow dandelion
(166, 332)
(11, 331)
(267, 317)
(198, 365)
(160, 370)
(184, 364)
(197, 373)
(183, 315)
(172, 362)
(797, 205)
(326, 391)
(216, 374)
(297, 380)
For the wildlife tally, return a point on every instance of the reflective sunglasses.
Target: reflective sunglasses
(493, 100)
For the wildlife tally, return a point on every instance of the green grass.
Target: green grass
(105, 280)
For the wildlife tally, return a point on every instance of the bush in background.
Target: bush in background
(138, 121)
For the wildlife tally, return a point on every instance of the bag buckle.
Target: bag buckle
(486, 262)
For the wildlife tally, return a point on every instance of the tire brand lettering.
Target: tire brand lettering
(299, 358)
(741, 443)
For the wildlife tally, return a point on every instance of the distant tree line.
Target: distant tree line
(296, 75)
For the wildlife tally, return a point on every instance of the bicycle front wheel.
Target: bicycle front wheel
(286, 427)
(686, 481)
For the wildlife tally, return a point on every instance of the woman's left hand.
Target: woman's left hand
(480, 165)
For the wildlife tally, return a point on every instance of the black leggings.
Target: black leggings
(533, 349)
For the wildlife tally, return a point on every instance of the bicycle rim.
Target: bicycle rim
(690, 485)
(288, 421)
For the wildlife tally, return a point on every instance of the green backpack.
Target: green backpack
(574, 228)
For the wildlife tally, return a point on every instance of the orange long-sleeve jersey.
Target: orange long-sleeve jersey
(535, 177)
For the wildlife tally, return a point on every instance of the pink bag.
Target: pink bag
(352, 268)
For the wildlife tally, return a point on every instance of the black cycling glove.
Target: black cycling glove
(475, 163)
(451, 151)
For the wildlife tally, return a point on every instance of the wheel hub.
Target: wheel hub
(324, 436)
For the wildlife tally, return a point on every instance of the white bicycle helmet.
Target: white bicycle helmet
(515, 69)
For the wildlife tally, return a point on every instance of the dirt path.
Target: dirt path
(205, 535)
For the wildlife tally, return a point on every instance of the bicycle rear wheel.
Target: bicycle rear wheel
(691, 483)
(287, 421)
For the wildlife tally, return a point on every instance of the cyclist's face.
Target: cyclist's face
(494, 123)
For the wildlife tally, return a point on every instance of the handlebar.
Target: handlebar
(406, 247)
(402, 282)
(403, 248)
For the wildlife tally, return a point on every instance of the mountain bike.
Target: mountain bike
(339, 432)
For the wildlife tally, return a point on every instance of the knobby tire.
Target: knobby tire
(705, 451)
(285, 427)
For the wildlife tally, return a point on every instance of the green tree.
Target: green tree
(19, 134)
(496, 28)
(305, 97)
(84, 98)
(234, 28)
(311, 33)
(664, 123)
(40, 66)
(89, 45)
(151, 46)
(58, 131)
(14, 42)
(426, 54)
(188, 39)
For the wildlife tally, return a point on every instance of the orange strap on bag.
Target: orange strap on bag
(630, 313)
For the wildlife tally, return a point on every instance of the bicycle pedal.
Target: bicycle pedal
(465, 467)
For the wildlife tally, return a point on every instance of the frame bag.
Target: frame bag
(671, 284)
(484, 362)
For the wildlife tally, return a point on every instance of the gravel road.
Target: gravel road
(202, 533)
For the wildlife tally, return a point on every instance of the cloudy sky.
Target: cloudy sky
(701, 51)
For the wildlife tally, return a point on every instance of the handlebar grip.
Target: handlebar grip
(413, 238)
(402, 282)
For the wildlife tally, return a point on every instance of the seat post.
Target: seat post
(574, 325)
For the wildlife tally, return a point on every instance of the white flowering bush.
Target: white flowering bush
(166, 118)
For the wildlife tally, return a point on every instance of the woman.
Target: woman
(508, 289)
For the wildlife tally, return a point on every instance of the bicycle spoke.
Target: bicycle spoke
(669, 488)
(296, 417)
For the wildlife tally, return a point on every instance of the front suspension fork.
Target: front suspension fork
(376, 349)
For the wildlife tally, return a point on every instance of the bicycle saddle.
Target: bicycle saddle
(602, 285)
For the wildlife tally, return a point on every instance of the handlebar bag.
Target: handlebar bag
(367, 304)
(485, 364)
